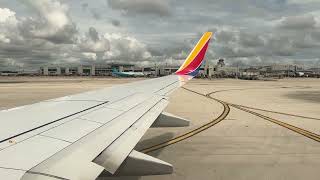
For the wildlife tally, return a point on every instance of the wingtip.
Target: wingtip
(193, 62)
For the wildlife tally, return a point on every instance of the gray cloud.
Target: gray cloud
(93, 42)
(125, 48)
(34, 41)
(155, 7)
(246, 31)
(224, 36)
(305, 42)
(84, 6)
(53, 22)
(281, 46)
(250, 40)
(115, 22)
(22, 47)
(65, 36)
(95, 14)
(93, 34)
(315, 34)
(298, 22)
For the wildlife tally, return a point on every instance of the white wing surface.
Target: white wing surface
(90, 134)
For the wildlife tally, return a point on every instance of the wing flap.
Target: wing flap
(169, 120)
(139, 164)
(112, 157)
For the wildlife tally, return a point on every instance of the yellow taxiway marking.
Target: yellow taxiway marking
(265, 110)
(298, 130)
(301, 131)
(223, 115)
(277, 112)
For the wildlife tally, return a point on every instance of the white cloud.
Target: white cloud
(125, 48)
(57, 31)
(54, 12)
(4, 39)
(302, 2)
(8, 25)
(6, 15)
(93, 42)
(50, 37)
(298, 22)
(90, 56)
(54, 23)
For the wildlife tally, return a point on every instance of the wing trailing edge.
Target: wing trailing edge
(114, 155)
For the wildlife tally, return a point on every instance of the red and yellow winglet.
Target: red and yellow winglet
(193, 62)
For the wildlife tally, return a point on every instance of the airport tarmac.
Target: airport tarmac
(248, 129)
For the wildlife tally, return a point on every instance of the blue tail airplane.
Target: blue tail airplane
(116, 73)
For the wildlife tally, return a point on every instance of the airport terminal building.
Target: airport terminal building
(104, 70)
(85, 70)
(207, 70)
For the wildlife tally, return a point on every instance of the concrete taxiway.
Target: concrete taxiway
(235, 131)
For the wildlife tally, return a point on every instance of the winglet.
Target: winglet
(193, 62)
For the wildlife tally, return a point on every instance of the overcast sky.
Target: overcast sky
(247, 32)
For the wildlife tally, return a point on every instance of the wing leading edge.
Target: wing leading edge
(90, 134)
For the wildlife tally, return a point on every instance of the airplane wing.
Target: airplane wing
(92, 134)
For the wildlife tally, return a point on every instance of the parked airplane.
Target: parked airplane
(92, 134)
(127, 74)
